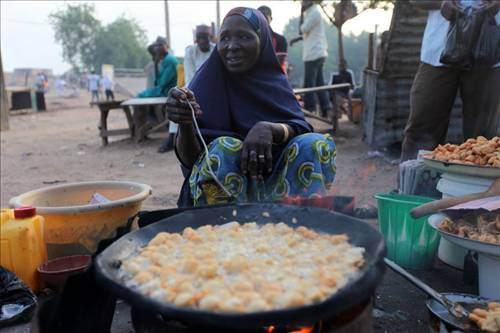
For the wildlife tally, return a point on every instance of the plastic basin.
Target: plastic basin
(411, 243)
(72, 225)
(54, 273)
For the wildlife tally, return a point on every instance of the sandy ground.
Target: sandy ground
(62, 145)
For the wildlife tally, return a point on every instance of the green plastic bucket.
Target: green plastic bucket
(410, 242)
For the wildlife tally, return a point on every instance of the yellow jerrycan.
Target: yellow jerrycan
(22, 245)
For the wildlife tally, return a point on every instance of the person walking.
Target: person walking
(436, 84)
(314, 53)
(93, 86)
(108, 85)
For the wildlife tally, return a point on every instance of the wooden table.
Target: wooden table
(104, 108)
(334, 120)
(139, 109)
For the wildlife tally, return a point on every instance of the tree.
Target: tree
(75, 28)
(121, 43)
(344, 10)
(87, 44)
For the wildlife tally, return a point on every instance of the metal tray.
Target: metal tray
(470, 244)
(463, 169)
(355, 292)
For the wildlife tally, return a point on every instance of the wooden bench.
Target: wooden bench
(139, 108)
(104, 108)
(308, 113)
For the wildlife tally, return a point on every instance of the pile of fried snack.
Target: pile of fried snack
(479, 151)
(487, 320)
(243, 267)
(483, 227)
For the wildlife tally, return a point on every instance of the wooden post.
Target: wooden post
(217, 23)
(167, 25)
(4, 105)
(341, 43)
(370, 51)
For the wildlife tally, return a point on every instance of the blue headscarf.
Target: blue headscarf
(233, 103)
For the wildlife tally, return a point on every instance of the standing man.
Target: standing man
(108, 87)
(198, 53)
(93, 86)
(280, 44)
(435, 85)
(195, 56)
(314, 54)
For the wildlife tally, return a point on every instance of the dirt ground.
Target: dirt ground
(62, 145)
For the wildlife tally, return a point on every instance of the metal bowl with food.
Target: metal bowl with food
(356, 289)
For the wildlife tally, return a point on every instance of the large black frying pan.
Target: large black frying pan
(356, 291)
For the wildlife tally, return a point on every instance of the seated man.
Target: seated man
(165, 71)
(341, 97)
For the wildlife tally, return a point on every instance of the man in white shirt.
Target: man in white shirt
(108, 87)
(435, 85)
(195, 55)
(314, 53)
(93, 82)
(199, 52)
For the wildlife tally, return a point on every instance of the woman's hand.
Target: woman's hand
(177, 106)
(256, 155)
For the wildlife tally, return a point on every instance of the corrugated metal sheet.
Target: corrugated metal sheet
(387, 93)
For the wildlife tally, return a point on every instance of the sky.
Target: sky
(27, 39)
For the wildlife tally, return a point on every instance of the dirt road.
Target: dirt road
(62, 145)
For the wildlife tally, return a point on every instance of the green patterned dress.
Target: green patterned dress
(306, 168)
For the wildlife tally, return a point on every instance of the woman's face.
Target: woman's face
(239, 44)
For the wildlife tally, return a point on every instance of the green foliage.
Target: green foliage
(75, 28)
(87, 44)
(122, 43)
(355, 49)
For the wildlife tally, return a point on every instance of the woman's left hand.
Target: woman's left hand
(256, 155)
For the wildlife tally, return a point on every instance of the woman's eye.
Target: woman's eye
(244, 37)
(225, 39)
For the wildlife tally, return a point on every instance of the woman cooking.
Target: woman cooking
(260, 146)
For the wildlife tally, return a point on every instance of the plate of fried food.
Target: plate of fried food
(480, 233)
(475, 157)
(488, 320)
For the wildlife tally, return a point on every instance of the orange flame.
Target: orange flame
(304, 330)
(271, 329)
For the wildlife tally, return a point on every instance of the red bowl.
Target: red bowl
(55, 272)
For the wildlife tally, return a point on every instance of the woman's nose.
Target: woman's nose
(233, 45)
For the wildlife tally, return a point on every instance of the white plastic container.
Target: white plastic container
(456, 185)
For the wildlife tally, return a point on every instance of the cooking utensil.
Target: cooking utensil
(435, 206)
(463, 169)
(469, 302)
(455, 309)
(358, 289)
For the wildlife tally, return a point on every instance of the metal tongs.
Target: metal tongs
(453, 308)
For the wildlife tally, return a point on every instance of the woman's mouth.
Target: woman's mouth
(234, 61)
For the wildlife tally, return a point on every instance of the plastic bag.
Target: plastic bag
(17, 301)
(461, 38)
(487, 50)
